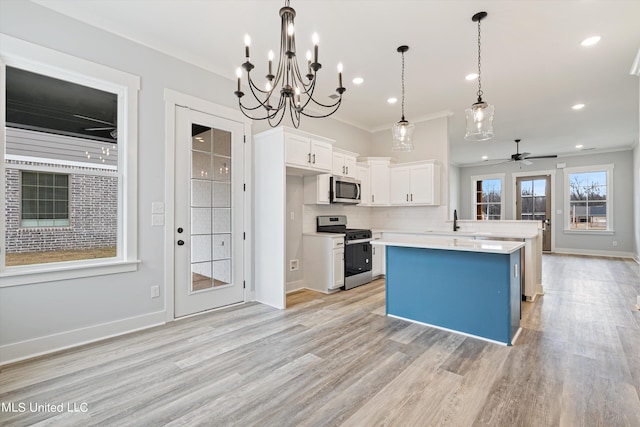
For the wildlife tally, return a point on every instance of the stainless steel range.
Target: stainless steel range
(357, 249)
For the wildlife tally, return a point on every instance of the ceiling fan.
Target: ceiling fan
(524, 157)
(113, 130)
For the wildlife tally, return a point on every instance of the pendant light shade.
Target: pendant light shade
(403, 130)
(480, 115)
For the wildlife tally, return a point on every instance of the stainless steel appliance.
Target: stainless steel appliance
(344, 190)
(357, 249)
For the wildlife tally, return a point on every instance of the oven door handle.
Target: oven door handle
(354, 242)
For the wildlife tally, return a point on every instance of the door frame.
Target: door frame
(172, 100)
(552, 175)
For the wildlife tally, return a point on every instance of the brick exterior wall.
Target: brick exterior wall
(93, 216)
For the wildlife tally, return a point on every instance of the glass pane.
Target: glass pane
(577, 186)
(527, 205)
(45, 193)
(61, 181)
(221, 272)
(221, 168)
(598, 192)
(221, 246)
(29, 192)
(201, 139)
(200, 221)
(221, 220)
(597, 178)
(201, 248)
(201, 165)
(222, 142)
(61, 209)
(578, 215)
(540, 187)
(200, 193)
(526, 188)
(491, 189)
(61, 193)
(45, 179)
(541, 205)
(201, 276)
(29, 178)
(597, 215)
(221, 195)
(539, 217)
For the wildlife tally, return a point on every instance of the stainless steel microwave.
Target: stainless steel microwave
(344, 190)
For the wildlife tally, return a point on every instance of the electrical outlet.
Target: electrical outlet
(614, 243)
(293, 265)
(155, 291)
(292, 215)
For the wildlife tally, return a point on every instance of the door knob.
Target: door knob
(180, 229)
(180, 242)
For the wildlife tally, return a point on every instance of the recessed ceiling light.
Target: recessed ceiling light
(358, 81)
(485, 157)
(590, 41)
(471, 76)
(392, 100)
(579, 146)
(578, 107)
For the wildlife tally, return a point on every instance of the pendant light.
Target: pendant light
(403, 130)
(480, 114)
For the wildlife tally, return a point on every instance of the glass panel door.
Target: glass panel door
(533, 203)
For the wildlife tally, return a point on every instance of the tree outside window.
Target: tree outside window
(489, 199)
(588, 201)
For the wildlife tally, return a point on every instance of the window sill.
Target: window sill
(592, 232)
(27, 275)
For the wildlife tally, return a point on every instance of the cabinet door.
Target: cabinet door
(379, 174)
(365, 186)
(323, 189)
(296, 150)
(338, 268)
(338, 164)
(350, 167)
(321, 156)
(422, 184)
(400, 186)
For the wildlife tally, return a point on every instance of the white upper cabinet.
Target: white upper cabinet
(415, 183)
(365, 184)
(307, 152)
(379, 180)
(344, 163)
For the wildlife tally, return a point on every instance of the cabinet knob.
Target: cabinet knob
(180, 242)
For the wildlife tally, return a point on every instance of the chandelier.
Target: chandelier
(287, 89)
(403, 130)
(480, 115)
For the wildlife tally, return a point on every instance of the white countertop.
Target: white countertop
(316, 234)
(450, 243)
(489, 234)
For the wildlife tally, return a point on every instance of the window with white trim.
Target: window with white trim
(488, 197)
(69, 193)
(588, 202)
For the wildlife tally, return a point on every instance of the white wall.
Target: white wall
(564, 242)
(636, 187)
(55, 314)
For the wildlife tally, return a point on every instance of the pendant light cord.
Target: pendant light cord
(403, 86)
(479, 68)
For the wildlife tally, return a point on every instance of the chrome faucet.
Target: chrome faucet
(456, 227)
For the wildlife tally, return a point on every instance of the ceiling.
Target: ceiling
(533, 66)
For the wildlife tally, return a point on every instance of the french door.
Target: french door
(533, 202)
(209, 203)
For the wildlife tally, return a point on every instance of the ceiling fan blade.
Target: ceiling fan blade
(550, 156)
(107, 128)
(93, 120)
(526, 162)
(523, 155)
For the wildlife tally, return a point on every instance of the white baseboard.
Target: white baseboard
(295, 286)
(573, 251)
(27, 349)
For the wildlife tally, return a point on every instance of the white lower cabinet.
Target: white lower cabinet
(378, 259)
(323, 261)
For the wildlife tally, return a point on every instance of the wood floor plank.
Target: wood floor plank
(336, 359)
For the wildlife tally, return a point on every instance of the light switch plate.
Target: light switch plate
(157, 220)
(157, 208)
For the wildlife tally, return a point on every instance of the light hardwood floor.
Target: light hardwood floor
(337, 360)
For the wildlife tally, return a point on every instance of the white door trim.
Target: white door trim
(552, 174)
(175, 99)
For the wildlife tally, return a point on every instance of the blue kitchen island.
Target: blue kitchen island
(468, 286)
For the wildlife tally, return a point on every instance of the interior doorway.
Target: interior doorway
(533, 202)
